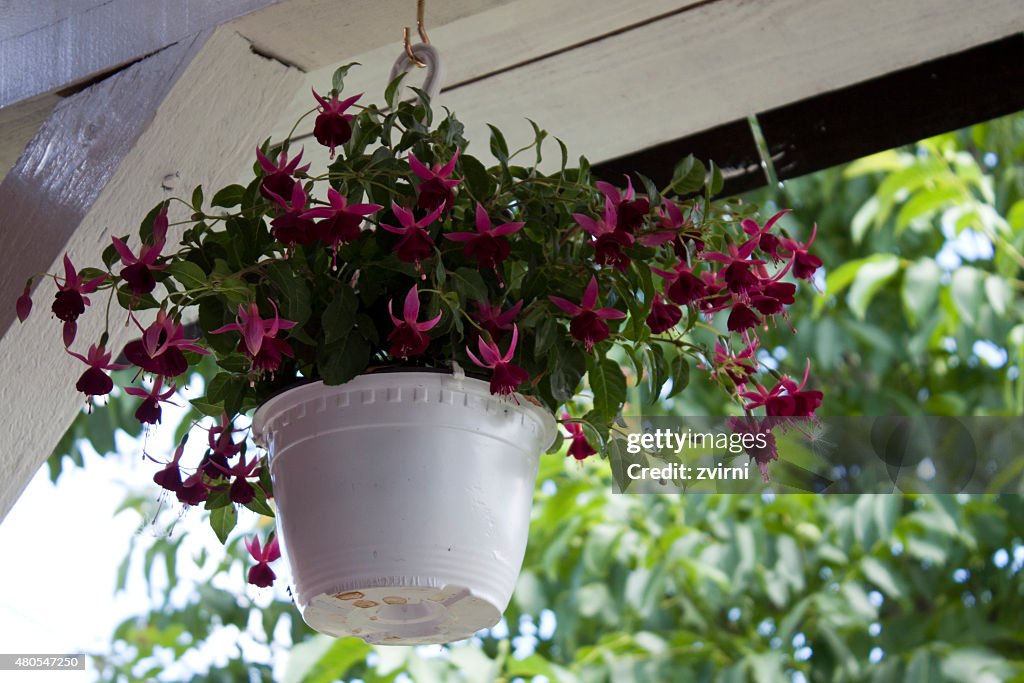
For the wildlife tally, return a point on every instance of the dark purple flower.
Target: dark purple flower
(261, 574)
(804, 262)
(435, 190)
(495, 321)
(762, 448)
(70, 300)
(149, 411)
(416, 243)
(95, 381)
(169, 478)
(159, 351)
(278, 180)
(683, 287)
(409, 336)
(505, 377)
(588, 324)
(341, 220)
(742, 318)
(579, 448)
(220, 441)
(333, 127)
(138, 270)
(762, 235)
(630, 211)
(24, 304)
(193, 490)
(293, 227)
(609, 241)
(663, 316)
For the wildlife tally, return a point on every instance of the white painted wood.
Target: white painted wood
(94, 170)
(675, 76)
(46, 45)
(18, 124)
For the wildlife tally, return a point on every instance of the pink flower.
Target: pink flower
(663, 316)
(488, 244)
(149, 411)
(629, 211)
(670, 223)
(579, 448)
(804, 262)
(738, 274)
(24, 304)
(608, 239)
(435, 192)
(159, 351)
(293, 227)
(95, 381)
(505, 377)
(341, 220)
(261, 574)
(762, 236)
(169, 478)
(588, 324)
(408, 338)
(333, 127)
(785, 399)
(220, 441)
(416, 243)
(495, 321)
(138, 270)
(738, 366)
(70, 300)
(259, 337)
(278, 180)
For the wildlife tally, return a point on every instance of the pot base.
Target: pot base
(401, 615)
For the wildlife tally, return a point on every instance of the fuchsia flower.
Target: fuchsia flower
(435, 192)
(762, 235)
(629, 210)
(785, 399)
(341, 220)
(495, 321)
(408, 338)
(804, 262)
(488, 244)
(159, 351)
(149, 411)
(755, 426)
(241, 491)
(70, 300)
(138, 270)
(505, 377)
(738, 366)
(608, 239)
(261, 574)
(169, 478)
(737, 273)
(580, 448)
(663, 316)
(193, 490)
(333, 127)
(259, 337)
(293, 227)
(741, 318)
(278, 181)
(416, 243)
(220, 441)
(95, 381)
(588, 324)
(683, 286)
(24, 304)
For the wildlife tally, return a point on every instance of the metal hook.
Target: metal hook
(420, 9)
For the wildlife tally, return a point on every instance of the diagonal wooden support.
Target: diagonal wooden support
(193, 112)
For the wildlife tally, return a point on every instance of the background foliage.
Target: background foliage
(922, 315)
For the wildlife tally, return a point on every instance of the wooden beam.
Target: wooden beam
(94, 169)
(672, 72)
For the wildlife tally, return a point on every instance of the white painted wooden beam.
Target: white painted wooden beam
(93, 170)
(608, 91)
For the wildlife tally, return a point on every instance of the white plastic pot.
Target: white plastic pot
(403, 502)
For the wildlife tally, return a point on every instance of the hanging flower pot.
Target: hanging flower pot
(403, 501)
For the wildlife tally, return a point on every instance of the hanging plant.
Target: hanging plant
(408, 252)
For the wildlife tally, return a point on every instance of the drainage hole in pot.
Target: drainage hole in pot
(350, 595)
(365, 603)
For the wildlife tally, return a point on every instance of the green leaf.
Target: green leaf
(921, 288)
(679, 373)
(228, 197)
(499, 148)
(338, 77)
(999, 294)
(568, 371)
(870, 278)
(343, 360)
(477, 179)
(259, 503)
(188, 274)
(197, 199)
(967, 290)
(339, 316)
(882, 576)
(688, 176)
(293, 294)
(223, 520)
(608, 384)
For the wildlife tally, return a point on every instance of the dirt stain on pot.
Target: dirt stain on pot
(395, 600)
(351, 595)
(365, 603)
